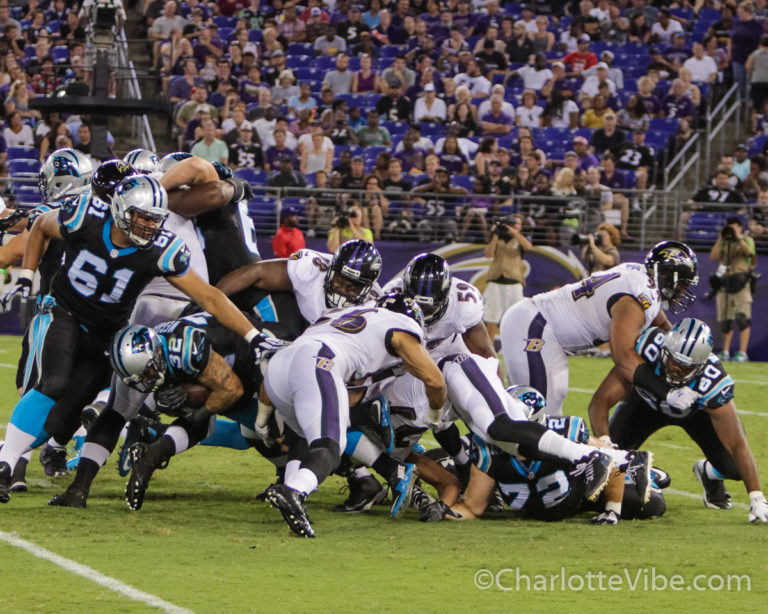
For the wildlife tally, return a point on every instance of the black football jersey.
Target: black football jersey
(229, 239)
(541, 490)
(97, 282)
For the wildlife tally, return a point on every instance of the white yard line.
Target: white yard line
(92, 575)
(7, 366)
(690, 495)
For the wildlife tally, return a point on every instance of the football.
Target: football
(197, 394)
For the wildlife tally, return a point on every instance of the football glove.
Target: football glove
(264, 345)
(682, 398)
(242, 189)
(758, 507)
(437, 511)
(609, 517)
(171, 400)
(22, 288)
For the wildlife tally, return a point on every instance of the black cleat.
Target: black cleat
(54, 460)
(142, 468)
(660, 479)
(5, 482)
(70, 498)
(290, 502)
(420, 499)
(716, 495)
(19, 477)
(364, 493)
(639, 472)
(90, 413)
(595, 469)
(496, 502)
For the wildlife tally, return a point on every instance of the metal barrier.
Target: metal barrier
(688, 155)
(728, 105)
(140, 128)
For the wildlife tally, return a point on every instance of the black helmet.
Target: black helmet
(427, 280)
(399, 303)
(673, 267)
(359, 263)
(107, 177)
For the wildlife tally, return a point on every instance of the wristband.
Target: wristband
(251, 334)
(263, 414)
(606, 439)
(434, 415)
(644, 377)
(27, 274)
(756, 495)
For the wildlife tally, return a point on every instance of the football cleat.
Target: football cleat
(385, 429)
(139, 431)
(639, 473)
(401, 491)
(5, 482)
(90, 413)
(420, 499)
(75, 451)
(660, 479)
(609, 517)
(290, 502)
(496, 502)
(70, 498)
(364, 493)
(54, 460)
(144, 462)
(437, 511)
(595, 469)
(19, 476)
(716, 495)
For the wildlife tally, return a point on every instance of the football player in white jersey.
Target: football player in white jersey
(615, 306)
(683, 357)
(346, 345)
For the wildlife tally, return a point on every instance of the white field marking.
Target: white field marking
(7, 366)
(92, 575)
(669, 445)
(690, 495)
(754, 382)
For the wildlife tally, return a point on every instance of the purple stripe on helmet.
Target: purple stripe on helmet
(537, 371)
(329, 399)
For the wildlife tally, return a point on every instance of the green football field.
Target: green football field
(202, 544)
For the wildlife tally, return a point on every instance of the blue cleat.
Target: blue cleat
(386, 424)
(75, 451)
(401, 492)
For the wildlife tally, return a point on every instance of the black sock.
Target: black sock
(387, 467)
(86, 472)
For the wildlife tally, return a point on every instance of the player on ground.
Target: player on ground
(345, 346)
(111, 251)
(615, 306)
(683, 358)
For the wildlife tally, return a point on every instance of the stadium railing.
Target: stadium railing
(717, 120)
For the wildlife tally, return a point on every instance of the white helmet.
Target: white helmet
(143, 160)
(685, 351)
(66, 173)
(170, 160)
(142, 196)
(138, 358)
(533, 400)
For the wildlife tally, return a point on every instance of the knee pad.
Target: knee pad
(323, 457)
(725, 326)
(521, 432)
(742, 321)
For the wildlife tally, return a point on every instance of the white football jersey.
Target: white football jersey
(465, 310)
(579, 313)
(408, 401)
(183, 228)
(360, 337)
(307, 270)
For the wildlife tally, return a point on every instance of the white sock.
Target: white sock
(366, 452)
(554, 444)
(103, 396)
(16, 443)
(52, 442)
(95, 452)
(179, 436)
(462, 458)
(27, 455)
(81, 432)
(291, 469)
(618, 456)
(304, 481)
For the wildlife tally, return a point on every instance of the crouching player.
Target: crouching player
(684, 358)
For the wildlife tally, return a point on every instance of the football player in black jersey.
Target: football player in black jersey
(111, 251)
(683, 358)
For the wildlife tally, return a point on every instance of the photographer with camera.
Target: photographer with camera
(600, 250)
(506, 275)
(736, 252)
(348, 224)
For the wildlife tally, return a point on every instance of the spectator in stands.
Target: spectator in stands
(18, 101)
(270, 43)
(594, 117)
(440, 204)
(351, 29)
(228, 8)
(396, 181)
(677, 53)
(208, 45)
(317, 157)
(542, 39)
(757, 71)
(6, 19)
(735, 251)
(277, 65)
(608, 139)
(718, 54)
(84, 139)
(661, 64)
(374, 135)
(741, 162)
(758, 223)
(285, 88)
(496, 122)
(373, 204)
(534, 77)
(278, 151)
(209, 147)
(336, 124)
(331, 44)
(385, 29)
(745, 36)
(593, 82)
(639, 158)
(616, 181)
(245, 153)
(529, 113)
(452, 158)
(485, 154)
(639, 31)
(664, 28)
(691, 89)
(394, 106)
(399, 73)
(599, 199)
(581, 59)
(520, 47)
(726, 164)
(293, 29)
(586, 159)
(606, 255)
(348, 227)
(569, 37)
(411, 157)
(429, 108)
(495, 62)
(559, 81)
(288, 238)
(652, 103)
(180, 87)
(560, 112)
(710, 196)
(340, 80)
(17, 133)
(677, 104)
(702, 67)
(316, 21)
(366, 79)
(163, 26)
(285, 176)
(634, 116)
(474, 79)
(304, 100)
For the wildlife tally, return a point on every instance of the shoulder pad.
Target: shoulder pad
(72, 212)
(188, 350)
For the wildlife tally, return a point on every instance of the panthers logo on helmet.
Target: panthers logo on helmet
(64, 166)
(534, 345)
